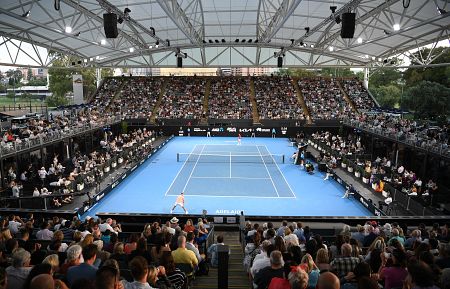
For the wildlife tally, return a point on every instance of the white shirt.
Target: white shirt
(44, 234)
(259, 264)
(14, 227)
(36, 193)
(105, 226)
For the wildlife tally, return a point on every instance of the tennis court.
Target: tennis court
(223, 178)
(232, 170)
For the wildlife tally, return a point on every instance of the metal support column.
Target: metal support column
(99, 76)
(366, 77)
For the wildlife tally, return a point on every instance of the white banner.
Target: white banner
(77, 89)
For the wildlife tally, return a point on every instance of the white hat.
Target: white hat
(174, 220)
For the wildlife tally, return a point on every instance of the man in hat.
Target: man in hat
(179, 202)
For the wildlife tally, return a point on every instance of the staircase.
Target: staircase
(204, 120)
(117, 94)
(158, 102)
(255, 114)
(237, 277)
(346, 97)
(301, 100)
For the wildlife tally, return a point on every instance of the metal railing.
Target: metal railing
(15, 147)
(437, 148)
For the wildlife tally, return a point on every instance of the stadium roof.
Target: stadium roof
(212, 32)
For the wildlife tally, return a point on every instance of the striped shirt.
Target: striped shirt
(177, 278)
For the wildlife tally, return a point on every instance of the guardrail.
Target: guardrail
(437, 149)
(14, 147)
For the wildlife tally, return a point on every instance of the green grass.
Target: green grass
(5, 101)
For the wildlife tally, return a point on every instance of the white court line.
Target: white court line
(289, 186)
(256, 197)
(268, 172)
(239, 178)
(193, 169)
(216, 144)
(182, 167)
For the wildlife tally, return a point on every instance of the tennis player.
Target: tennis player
(239, 139)
(179, 202)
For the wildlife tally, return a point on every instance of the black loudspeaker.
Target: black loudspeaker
(179, 62)
(322, 167)
(348, 25)
(280, 61)
(110, 25)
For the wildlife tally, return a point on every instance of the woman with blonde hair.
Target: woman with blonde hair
(312, 270)
(157, 278)
(323, 260)
(53, 260)
(5, 235)
(378, 244)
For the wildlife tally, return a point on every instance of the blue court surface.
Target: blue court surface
(222, 177)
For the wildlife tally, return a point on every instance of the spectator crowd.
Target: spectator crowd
(229, 98)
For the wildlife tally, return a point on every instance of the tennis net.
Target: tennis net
(230, 158)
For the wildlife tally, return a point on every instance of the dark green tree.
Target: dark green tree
(15, 76)
(387, 96)
(434, 74)
(428, 100)
(29, 74)
(336, 72)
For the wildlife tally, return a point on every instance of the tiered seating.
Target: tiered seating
(323, 98)
(105, 94)
(229, 98)
(276, 98)
(138, 97)
(358, 94)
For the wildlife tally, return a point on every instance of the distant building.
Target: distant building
(188, 71)
(40, 92)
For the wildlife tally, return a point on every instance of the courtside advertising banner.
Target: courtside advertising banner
(77, 81)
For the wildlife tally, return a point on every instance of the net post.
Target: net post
(282, 158)
(178, 157)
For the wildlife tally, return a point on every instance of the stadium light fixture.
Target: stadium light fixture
(85, 60)
(307, 30)
(210, 41)
(157, 43)
(152, 29)
(168, 42)
(237, 40)
(243, 40)
(366, 56)
(396, 27)
(68, 29)
(97, 57)
(360, 40)
(150, 46)
(250, 41)
(103, 42)
(379, 59)
(373, 57)
(331, 48)
(337, 19)
(441, 11)
(293, 40)
(333, 9)
(217, 40)
(131, 49)
(301, 43)
(312, 45)
(26, 14)
(256, 41)
(223, 40)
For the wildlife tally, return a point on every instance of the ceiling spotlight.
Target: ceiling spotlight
(26, 14)
(152, 31)
(385, 61)
(333, 9)
(331, 48)
(301, 43)
(91, 59)
(131, 49)
(168, 42)
(237, 40)
(126, 10)
(210, 41)
(217, 41)
(150, 46)
(120, 20)
(97, 57)
(366, 56)
(157, 43)
(292, 41)
(204, 41)
(396, 27)
(359, 40)
(243, 40)
(250, 41)
(256, 41)
(312, 45)
(68, 29)
(223, 40)
(103, 42)
(373, 57)
(85, 60)
(379, 59)
(337, 19)
(307, 30)
(440, 11)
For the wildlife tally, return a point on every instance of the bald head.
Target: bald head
(328, 280)
(42, 281)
